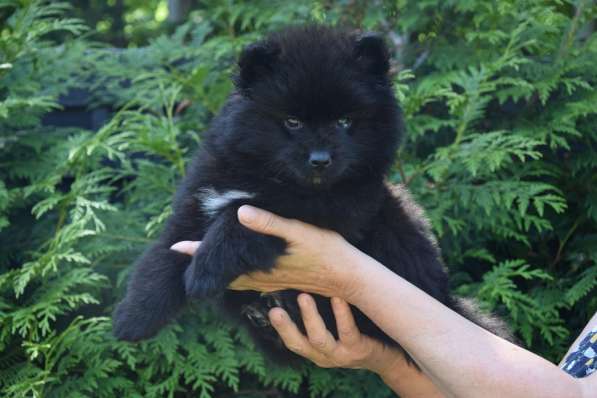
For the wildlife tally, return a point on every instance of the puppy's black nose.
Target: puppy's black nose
(320, 159)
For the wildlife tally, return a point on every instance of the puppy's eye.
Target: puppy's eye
(344, 123)
(293, 123)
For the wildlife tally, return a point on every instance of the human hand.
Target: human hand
(351, 350)
(317, 260)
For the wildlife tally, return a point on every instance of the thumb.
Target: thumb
(268, 223)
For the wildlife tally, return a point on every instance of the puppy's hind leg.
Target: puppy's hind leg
(155, 294)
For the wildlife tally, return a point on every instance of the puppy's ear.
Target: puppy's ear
(371, 53)
(256, 61)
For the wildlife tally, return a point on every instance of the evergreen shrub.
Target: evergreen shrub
(501, 151)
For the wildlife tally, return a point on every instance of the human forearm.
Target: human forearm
(482, 364)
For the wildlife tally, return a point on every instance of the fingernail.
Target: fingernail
(303, 299)
(247, 214)
(276, 317)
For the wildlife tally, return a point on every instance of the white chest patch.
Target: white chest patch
(212, 201)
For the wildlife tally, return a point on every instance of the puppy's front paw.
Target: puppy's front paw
(133, 324)
(201, 280)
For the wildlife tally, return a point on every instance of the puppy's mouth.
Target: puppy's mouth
(324, 179)
(313, 180)
(316, 180)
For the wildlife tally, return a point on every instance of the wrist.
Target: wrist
(404, 378)
(348, 271)
(388, 362)
(358, 270)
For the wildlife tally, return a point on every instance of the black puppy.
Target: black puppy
(310, 134)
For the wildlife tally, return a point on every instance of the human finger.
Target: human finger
(268, 223)
(292, 337)
(348, 332)
(318, 334)
(186, 247)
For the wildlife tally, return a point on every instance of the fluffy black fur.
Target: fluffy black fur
(309, 134)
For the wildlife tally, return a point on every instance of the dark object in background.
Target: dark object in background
(178, 10)
(75, 112)
(310, 134)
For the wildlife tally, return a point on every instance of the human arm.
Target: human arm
(461, 358)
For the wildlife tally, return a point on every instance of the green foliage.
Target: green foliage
(497, 126)
(501, 151)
